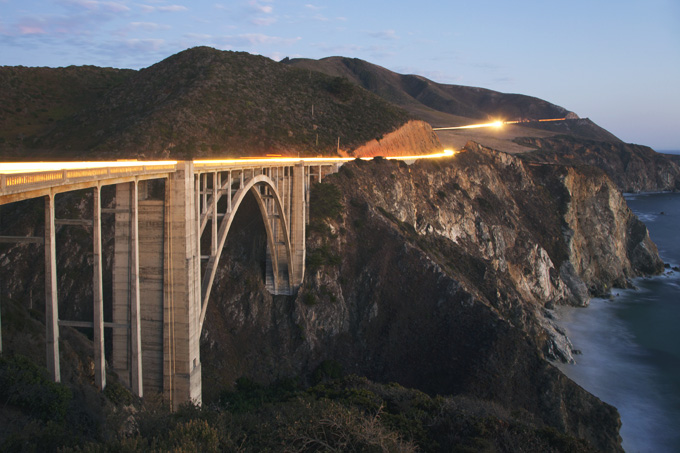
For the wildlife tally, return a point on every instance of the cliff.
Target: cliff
(441, 276)
(634, 168)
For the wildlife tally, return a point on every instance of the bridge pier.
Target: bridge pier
(298, 215)
(51, 300)
(127, 344)
(98, 292)
(182, 291)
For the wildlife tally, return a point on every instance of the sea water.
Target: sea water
(630, 344)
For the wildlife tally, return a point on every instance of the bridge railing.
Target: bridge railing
(18, 180)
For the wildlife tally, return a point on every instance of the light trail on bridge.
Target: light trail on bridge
(35, 167)
(496, 124)
(32, 167)
(294, 160)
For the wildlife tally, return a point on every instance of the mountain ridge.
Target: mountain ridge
(446, 104)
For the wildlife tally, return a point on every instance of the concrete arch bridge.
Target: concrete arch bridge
(166, 252)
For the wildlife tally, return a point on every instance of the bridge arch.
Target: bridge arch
(277, 227)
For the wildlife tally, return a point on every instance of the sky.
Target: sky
(616, 62)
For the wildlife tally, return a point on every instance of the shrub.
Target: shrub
(118, 394)
(324, 201)
(309, 299)
(26, 385)
(321, 257)
(328, 369)
(194, 435)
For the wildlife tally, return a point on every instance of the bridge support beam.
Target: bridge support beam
(98, 293)
(182, 291)
(127, 345)
(298, 210)
(51, 300)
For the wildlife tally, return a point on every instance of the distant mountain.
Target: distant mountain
(199, 102)
(444, 105)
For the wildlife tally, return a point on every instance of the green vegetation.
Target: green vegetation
(337, 413)
(25, 385)
(324, 201)
(199, 102)
(322, 256)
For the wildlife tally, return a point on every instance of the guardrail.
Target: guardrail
(14, 180)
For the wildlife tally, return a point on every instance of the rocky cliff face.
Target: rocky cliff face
(634, 168)
(441, 276)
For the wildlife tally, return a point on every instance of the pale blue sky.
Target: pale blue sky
(616, 62)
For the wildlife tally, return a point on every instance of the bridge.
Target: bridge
(166, 252)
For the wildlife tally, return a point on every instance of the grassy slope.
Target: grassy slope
(203, 102)
(34, 100)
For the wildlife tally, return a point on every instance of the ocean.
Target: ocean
(630, 344)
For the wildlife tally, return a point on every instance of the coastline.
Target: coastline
(630, 357)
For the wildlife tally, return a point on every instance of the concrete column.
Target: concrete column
(98, 293)
(121, 285)
(229, 194)
(308, 186)
(51, 302)
(204, 191)
(151, 260)
(135, 310)
(182, 289)
(127, 346)
(0, 316)
(297, 224)
(289, 198)
(213, 242)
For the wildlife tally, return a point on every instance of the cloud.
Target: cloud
(246, 40)
(254, 39)
(385, 34)
(343, 49)
(263, 21)
(164, 9)
(313, 7)
(254, 4)
(94, 5)
(26, 29)
(200, 37)
(145, 45)
(172, 8)
(149, 26)
(320, 18)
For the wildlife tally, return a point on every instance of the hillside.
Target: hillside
(200, 102)
(33, 101)
(444, 105)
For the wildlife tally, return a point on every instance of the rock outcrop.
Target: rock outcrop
(634, 168)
